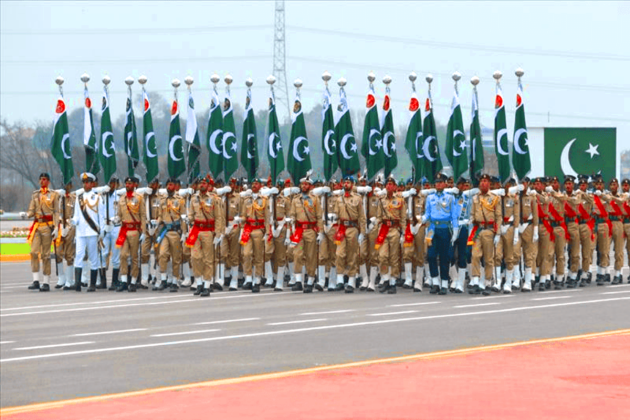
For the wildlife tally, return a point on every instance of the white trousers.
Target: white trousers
(109, 244)
(89, 244)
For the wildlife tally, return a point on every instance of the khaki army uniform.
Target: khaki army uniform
(544, 259)
(557, 200)
(150, 241)
(275, 248)
(392, 213)
(626, 224)
(67, 250)
(587, 234)
(529, 222)
(170, 218)
(614, 207)
(510, 208)
(230, 247)
(132, 215)
(351, 214)
(306, 212)
(486, 217)
(185, 250)
(43, 208)
(328, 248)
(255, 211)
(572, 220)
(604, 233)
(206, 215)
(369, 253)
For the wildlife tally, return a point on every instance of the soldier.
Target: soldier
(186, 194)
(463, 201)
(547, 236)
(149, 240)
(604, 230)
(111, 234)
(208, 225)
(557, 200)
(171, 221)
(442, 215)
(625, 187)
(327, 248)
(571, 213)
(614, 206)
(43, 208)
(510, 209)
(585, 202)
(350, 232)
(415, 255)
(392, 222)
(131, 215)
(231, 248)
(486, 219)
(528, 229)
(89, 219)
(255, 211)
(66, 249)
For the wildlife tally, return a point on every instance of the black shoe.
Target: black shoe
(103, 274)
(541, 287)
(122, 286)
(418, 290)
(486, 292)
(93, 276)
(263, 281)
(349, 289)
(406, 286)
(443, 291)
(68, 287)
(217, 286)
(548, 285)
(34, 286)
(199, 289)
(58, 286)
(308, 289)
(434, 289)
(204, 293)
(44, 288)
(318, 287)
(582, 283)
(399, 282)
(173, 288)
(589, 277)
(247, 286)
(472, 290)
(557, 285)
(297, 287)
(369, 290)
(115, 274)
(275, 289)
(131, 288)
(571, 284)
(391, 290)
(495, 289)
(600, 280)
(256, 288)
(241, 282)
(607, 278)
(617, 280)
(338, 288)
(382, 288)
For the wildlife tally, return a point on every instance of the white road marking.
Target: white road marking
(564, 291)
(14, 287)
(82, 343)
(107, 332)
(394, 313)
(7, 342)
(226, 321)
(299, 330)
(492, 297)
(553, 297)
(477, 304)
(88, 303)
(297, 322)
(341, 311)
(184, 333)
(412, 304)
(614, 293)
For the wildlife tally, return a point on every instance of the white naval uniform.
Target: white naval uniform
(109, 241)
(86, 237)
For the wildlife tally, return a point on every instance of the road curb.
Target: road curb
(15, 258)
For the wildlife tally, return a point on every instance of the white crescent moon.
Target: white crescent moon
(147, 139)
(129, 145)
(170, 148)
(105, 151)
(372, 132)
(342, 146)
(249, 155)
(517, 138)
(63, 147)
(225, 137)
(455, 134)
(565, 164)
(327, 142)
(418, 136)
(297, 142)
(386, 144)
(273, 152)
(425, 148)
(213, 141)
(500, 135)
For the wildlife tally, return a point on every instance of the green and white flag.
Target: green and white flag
(130, 138)
(89, 137)
(501, 136)
(107, 146)
(176, 162)
(230, 157)
(150, 148)
(299, 156)
(476, 143)
(520, 155)
(347, 150)
(456, 139)
(414, 139)
(192, 138)
(389, 138)
(274, 143)
(61, 150)
(430, 149)
(249, 149)
(372, 144)
(329, 146)
(214, 137)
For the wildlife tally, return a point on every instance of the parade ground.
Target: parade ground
(554, 354)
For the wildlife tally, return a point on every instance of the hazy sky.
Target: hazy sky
(575, 54)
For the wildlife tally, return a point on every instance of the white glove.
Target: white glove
(455, 235)
(319, 191)
(217, 240)
(144, 190)
(107, 228)
(535, 235)
(361, 238)
(402, 238)
(154, 223)
(184, 217)
(151, 231)
(102, 190)
(515, 236)
(464, 222)
(23, 214)
(275, 232)
(74, 221)
(372, 224)
(79, 191)
(55, 232)
(228, 229)
(498, 191)
(381, 193)
(287, 220)
(364, 190)
(424, 219)
(516, 188)
(427, 192)
(238, 219)
(121, 191)
(453, 190)
(142, 237)
(531, 192)
(410, 192)
(320, 237)
(549, 188)
(162, 191)
(246, 193)
(224, 190)
(337, 192)
(504, 229)
(183, 192)
(65, 231)
(597, 192)
(415, 229)
(471, 192)
(289, 191)
(496, 240)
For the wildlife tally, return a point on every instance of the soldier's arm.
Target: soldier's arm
(55, 209)
(498, 216)
(362, 219)
(101, 212)
(535, 220)
(403, 217)
(267, 218)
(379, 212)
(517, 211)
(456, 210)
(219, 217)
(427, 210)
(32, 207)
(191, 209)
(75, 216)
(161, 208)
(143, 214)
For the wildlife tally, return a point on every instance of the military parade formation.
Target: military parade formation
(343, 235)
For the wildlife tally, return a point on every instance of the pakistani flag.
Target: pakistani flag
(299, 156)
(501, 137)
(372, 145)
(347, 151)
(389, 138)
(430, 149)
(61, 142)
(230, 157)
(274, 143)
(214, 137)
(249, 151)
(520, 155)
(414, 140)
(456, 139)
(192, 138)
(329, 147)
(476, 144)
(176, 162)
(131, 138)
(89, 137)
(150, 148)
(108, 148)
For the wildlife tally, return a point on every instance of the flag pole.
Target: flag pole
(189, 80)
(270, 81)
(497, 76)
(473, 147)
(129, 81)
(143, 80)
(519, 72)
(248, 100)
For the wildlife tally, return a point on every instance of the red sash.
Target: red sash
(473, 235)
(198, 226)
(585, 216)
(617, 209)
(556, 216)
(543, 216)
(340, 235)
(626, 207)
(299, 230)
(568, 210)
(251, 225)
(122, 235)
(382, 234)
(408, 236)
(603, 213)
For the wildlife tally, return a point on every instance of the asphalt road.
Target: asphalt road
(62, 345)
